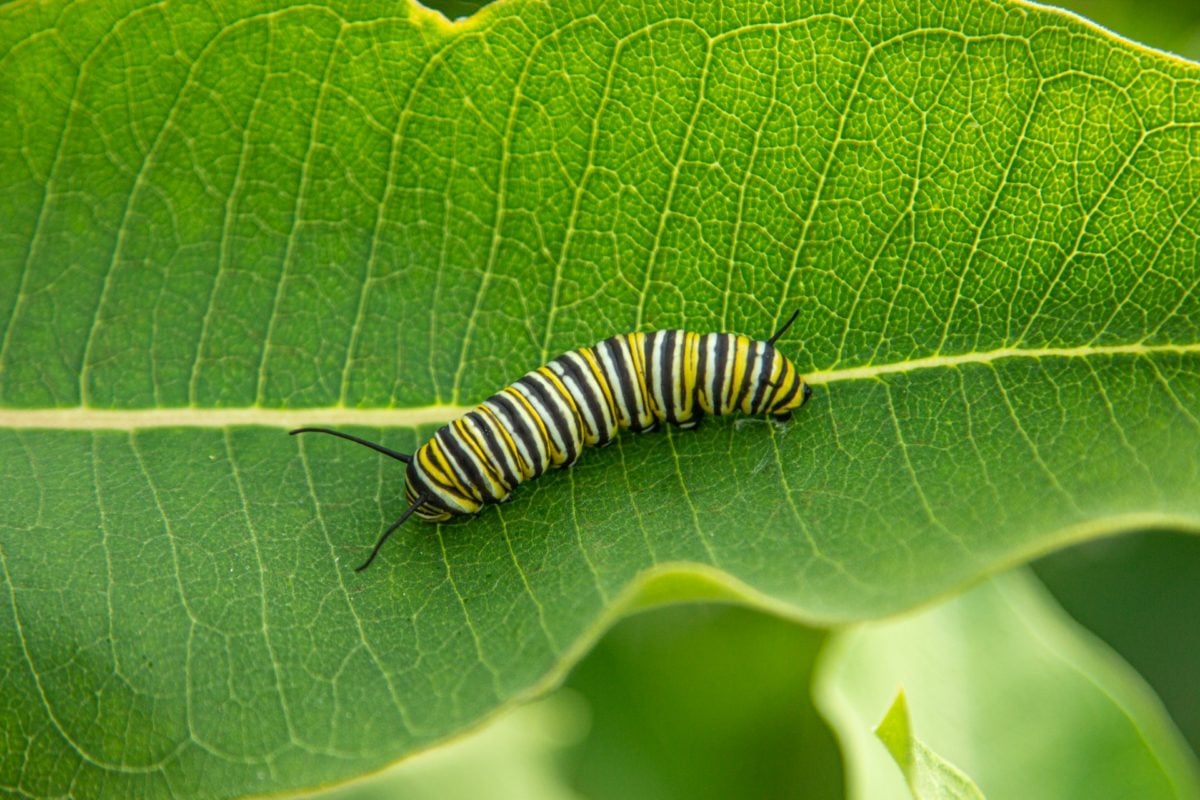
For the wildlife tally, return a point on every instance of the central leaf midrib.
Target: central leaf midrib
(84, 418)
(999, 354)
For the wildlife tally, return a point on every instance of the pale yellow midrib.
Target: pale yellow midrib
(81, 418)
(933, 362)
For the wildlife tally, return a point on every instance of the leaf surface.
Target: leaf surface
(225, 220)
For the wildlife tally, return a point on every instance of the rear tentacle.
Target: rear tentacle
(775, 337)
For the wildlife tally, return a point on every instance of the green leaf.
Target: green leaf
(221, 221)
(515, 757)
(1146, 610)
(1005, 686)
(928, 775)
(703, 702)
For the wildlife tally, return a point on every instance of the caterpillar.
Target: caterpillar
(586, 397)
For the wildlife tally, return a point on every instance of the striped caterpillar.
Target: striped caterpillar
(586, 397)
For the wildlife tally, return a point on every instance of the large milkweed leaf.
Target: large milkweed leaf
(221, 220)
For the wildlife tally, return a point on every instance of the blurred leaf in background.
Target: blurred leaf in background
(514, 757)
(1171, 25)
(929, 776)
(1012, 692)
(703, 702)
(1140, 593)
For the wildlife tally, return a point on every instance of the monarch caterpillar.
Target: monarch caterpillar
(586, 397)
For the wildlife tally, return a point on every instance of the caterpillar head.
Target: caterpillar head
(787, 389)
